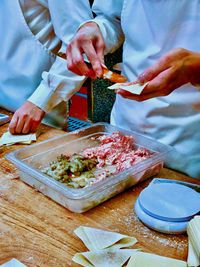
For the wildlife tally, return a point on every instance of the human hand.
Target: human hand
(176, 68)
(88, 40)
(26, 119)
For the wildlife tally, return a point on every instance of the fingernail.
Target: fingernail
(104, 66)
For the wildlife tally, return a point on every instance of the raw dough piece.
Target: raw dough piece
(104, 258)
(97, 239)
(141, 259)
(192, 259)
(9, 139)
(133, 88)
(193, 231)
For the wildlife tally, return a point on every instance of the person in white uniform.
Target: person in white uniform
(161, 45)
(33, 81)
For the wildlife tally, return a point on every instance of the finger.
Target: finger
(79, 63)
(37, 120)
(159, 83)
(149, 96)
(163, 63)
(72, 67)
(13, 124)
(100, 48)
(90, 51)
(20, 124)
(139, 98)
(165, 82)
(27, 126)
(128, 95)
(34, 126)
(152, 71)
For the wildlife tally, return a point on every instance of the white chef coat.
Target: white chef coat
(28, 67)
(151, 29)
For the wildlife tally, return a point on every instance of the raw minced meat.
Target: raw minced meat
(117, 150)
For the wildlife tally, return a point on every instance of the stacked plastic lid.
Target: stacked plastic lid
(167, 206)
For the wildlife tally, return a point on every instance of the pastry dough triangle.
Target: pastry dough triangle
(104, 258)
(9, 139)
(141, 259)
(97, 239)
(132, 88)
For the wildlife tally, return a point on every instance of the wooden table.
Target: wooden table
(39, 232)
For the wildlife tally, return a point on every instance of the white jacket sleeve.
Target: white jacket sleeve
(59, 84)
(108, 18)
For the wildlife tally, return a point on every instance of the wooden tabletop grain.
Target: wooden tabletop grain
(39, 232)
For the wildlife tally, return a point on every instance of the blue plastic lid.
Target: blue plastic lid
(170, 202)
(160, 225)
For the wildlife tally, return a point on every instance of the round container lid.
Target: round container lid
(160, 225)
(170, 202)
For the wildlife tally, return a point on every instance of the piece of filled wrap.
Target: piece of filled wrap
(141, 259)
(132, 88)
(102, 258)
(97, 239)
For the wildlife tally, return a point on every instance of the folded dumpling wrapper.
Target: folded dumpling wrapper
(97, 239)
(192, 259)
(133, 88)
(104, 258)
(9, 139)
(151, 260)
(193, 231)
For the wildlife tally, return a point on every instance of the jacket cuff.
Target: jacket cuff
(41, 97)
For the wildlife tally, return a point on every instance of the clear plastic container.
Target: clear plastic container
(32, 159)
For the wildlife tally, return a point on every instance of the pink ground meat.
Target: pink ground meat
(117, 150)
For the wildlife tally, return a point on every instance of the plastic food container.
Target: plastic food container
(32, 159)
